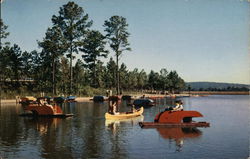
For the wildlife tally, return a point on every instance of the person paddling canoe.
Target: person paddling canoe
(113, 105)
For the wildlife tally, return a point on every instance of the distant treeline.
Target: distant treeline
(215, 86)
(228, 89)
(51, 69)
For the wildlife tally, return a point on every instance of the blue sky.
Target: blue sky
(203, 40)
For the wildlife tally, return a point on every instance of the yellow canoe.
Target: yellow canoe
(124, 115)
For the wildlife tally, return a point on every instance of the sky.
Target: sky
(203, 40)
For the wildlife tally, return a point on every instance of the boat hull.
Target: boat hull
(45, 111)
(156, 124)
(125, 115)
(47, 116)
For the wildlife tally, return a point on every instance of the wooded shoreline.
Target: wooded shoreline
(138, 95)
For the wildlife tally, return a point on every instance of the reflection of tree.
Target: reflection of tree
(47, 131)
(10, 126)
(117, 136)
(179, 134)
(93, 135)
(69, 107)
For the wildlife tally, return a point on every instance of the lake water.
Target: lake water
(89, 135)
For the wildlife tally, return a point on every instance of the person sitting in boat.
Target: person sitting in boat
(113, 105)
(115, 111)
(41, 102)
(178, 105)
(133, 108)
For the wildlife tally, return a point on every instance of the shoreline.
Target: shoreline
(138, 95)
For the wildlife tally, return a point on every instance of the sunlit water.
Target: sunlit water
(89, 135)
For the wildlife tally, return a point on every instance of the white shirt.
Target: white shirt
(178, 107)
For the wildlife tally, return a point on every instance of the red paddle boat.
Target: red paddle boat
(173, 118)
(45, 110)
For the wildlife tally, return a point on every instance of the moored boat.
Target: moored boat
(144, 102)
(124, 115)
(59, 100)
(27, 100)
(71, 99)
(127, 97)
(99, 98)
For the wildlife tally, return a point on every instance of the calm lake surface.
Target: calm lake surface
(89, 135)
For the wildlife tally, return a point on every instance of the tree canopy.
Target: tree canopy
(73, 23)
(117, 34)
(93, 47)
(53, 71)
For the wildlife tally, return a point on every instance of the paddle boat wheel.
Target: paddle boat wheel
(172, 118)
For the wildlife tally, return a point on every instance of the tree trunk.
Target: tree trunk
(117, 75)
(70, 71)
(53, 76)
(95, 81)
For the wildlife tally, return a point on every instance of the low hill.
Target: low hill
(216, 85)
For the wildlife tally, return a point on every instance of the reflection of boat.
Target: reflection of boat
(178, 132)
(128, 120)
(42, 125)
(114, 124)
(124, 115)
(45, 111)
(175, 119)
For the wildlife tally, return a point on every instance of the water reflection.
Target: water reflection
(178, 135)
(118, 131)
(42, 125)
(89, 135)
(113, 125)
(49, 134)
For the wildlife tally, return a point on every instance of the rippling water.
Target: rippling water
(89, 135)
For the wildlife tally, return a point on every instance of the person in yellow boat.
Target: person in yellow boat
(113, 105)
